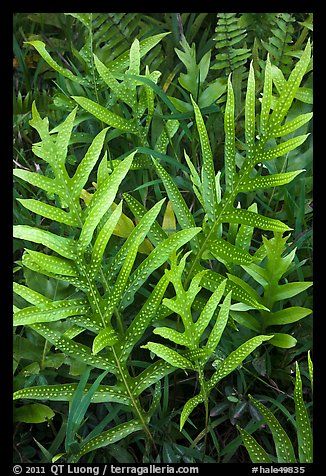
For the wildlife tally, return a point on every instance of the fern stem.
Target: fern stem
(135, 404)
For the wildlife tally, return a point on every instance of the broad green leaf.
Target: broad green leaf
(288, 290)
(48, 211)
(285, 341)
(229, 148)
(304, 432)
(106, 116)
(157, 257)
(33, 413)
(208, 173)
(256, 452)
(102, 200)
(50, 312)
(107, 337)
(169, 355)
(287, 316)
(63, 246)
(283, 445)
(275, 180)
(246, 320)
(246, 217)
(235, 358)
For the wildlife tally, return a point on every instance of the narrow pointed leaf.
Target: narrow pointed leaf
(189, 407)
(77, 351)
(267, 97)
(145, 316)
(66, 391)
(105, 115)
(229, 148)
(208, 172)
(50, 312)
(293, 125)
(156, 258)
(280, 149)
(45, 183)
(110, 436)
(107, 337)
(250, 116)
(102, 200)
(169, 355)
(208, 311)
(303, 422)
(54, 264)
(102, 240)
(246, 217)
(86, 165)
(236, 358)
(228, 252)
(48, 211)
(63, 246)
(283, 445)
(275, 180)
(30, 295)
(256, 452)
(220, 324)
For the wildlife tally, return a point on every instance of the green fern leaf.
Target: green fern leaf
(105, 115)
(233, 360)
(169, 355)
(107, 337)
(191, 404)
(246, 217)
(283, 445)
(63, 246)
(156, 258)
(303, 423)
(208, 173)
(220, 323)
(275, 180)
(102, 200)
(50, 312)
(223, 249)
(256, 452)
(229, 149)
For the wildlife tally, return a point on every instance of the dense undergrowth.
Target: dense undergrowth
(163, 237)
